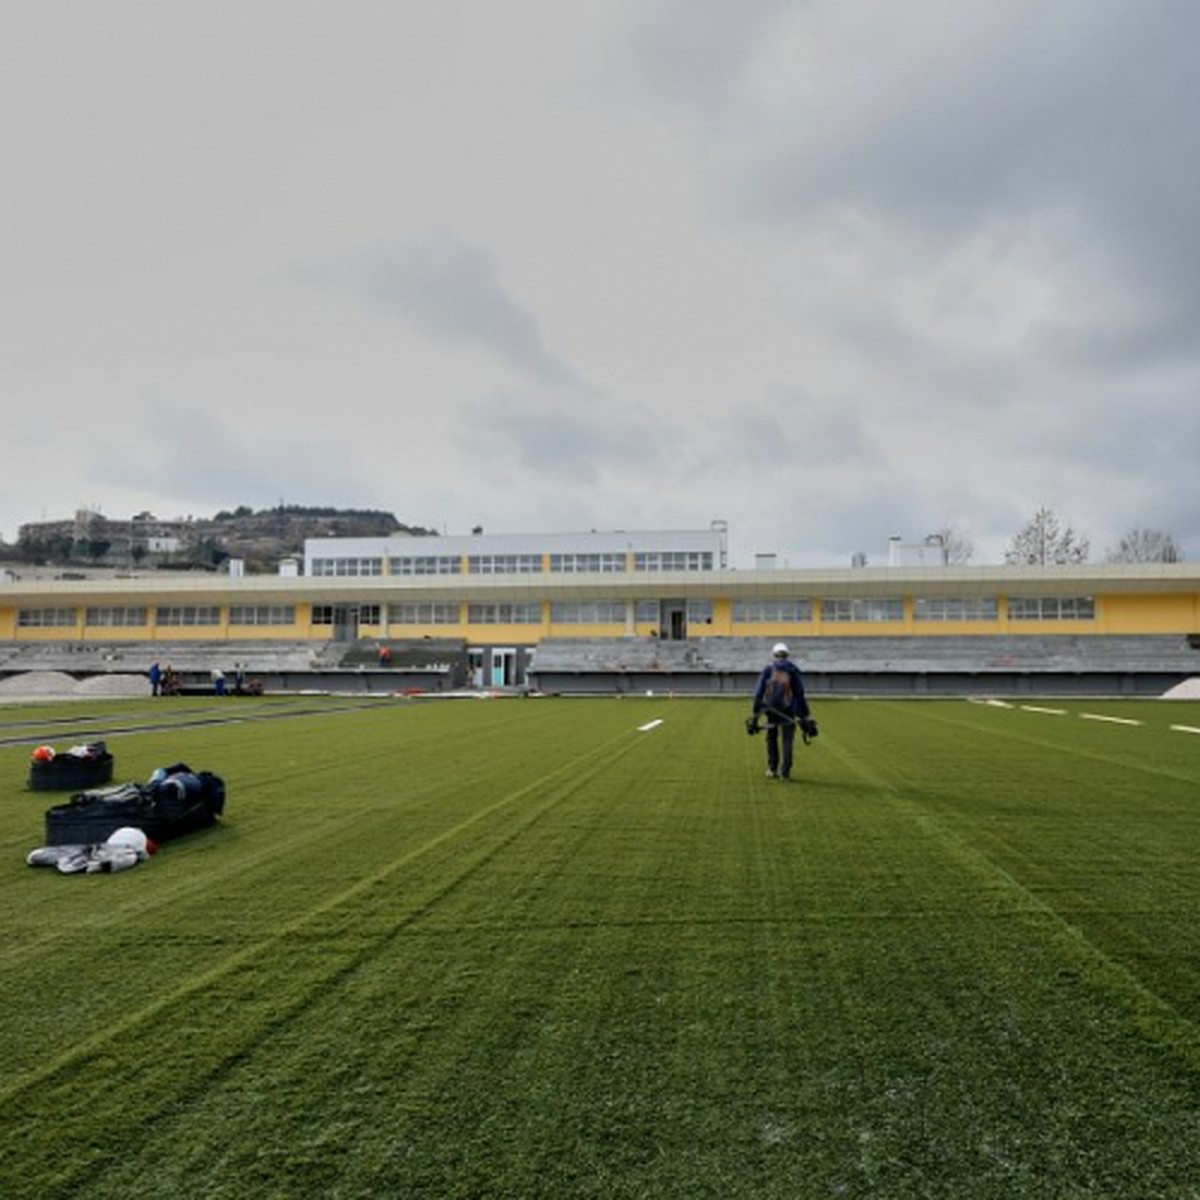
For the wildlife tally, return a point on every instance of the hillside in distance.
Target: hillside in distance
(259, 538)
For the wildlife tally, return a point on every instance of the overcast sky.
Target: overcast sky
(828, 270)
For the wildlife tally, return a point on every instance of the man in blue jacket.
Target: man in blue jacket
(780, 694)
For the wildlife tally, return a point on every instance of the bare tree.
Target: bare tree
(1145, 546)
(1045, 540)
(957, 547)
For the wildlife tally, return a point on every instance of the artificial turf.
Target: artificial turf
(529, 948)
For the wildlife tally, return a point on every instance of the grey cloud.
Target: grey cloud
(1136, 432)
(753, 432)
(1166, 329)
(1083, 111)
(205, 464)
(1141, 458)
(802, 430)
(451, 292)
(577, 443)
(695, 57)
(940, 257)
(1082, 104)
(828, 527)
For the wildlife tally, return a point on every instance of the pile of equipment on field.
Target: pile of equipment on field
(82, 766)
(122, 849)
(113, 828)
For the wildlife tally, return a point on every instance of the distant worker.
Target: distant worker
(156, 676)
(385, 655)
(239, 678)
(780, 695)
(218, 681)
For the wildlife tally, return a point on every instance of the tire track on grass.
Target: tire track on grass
(210, 718)
(260, 956)
(1159, 1021)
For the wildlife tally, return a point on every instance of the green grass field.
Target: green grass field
(527, 948)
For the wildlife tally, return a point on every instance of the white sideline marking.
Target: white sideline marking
(1058, 712)
(649, 725)
(1185, 729)
(1111, 720)
(998, 703)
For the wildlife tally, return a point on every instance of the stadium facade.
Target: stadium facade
(619, 609)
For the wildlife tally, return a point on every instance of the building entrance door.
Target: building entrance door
(475, 666)
(345, 622)
(504, 667)
(674, 621)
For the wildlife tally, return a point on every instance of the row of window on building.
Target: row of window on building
(131, 616)
(581, 612)
(517, 564)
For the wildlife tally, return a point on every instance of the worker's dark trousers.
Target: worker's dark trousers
(777, 729)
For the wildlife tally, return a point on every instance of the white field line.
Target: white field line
(649, 725)
(1061, 712)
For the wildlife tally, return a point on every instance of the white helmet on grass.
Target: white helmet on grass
(129, 837)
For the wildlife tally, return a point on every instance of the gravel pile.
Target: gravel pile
(1189, 689)
(58, 685)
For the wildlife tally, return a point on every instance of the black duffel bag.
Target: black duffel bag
(176, 801)
(184, 800)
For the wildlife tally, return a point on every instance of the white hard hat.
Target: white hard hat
(779, 650)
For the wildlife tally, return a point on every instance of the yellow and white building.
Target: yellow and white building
(502, 597)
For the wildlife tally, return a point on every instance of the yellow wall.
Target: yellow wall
(1143, 613)
(1117, 613)
(510, 635)
(587, 631)
(60, 633)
